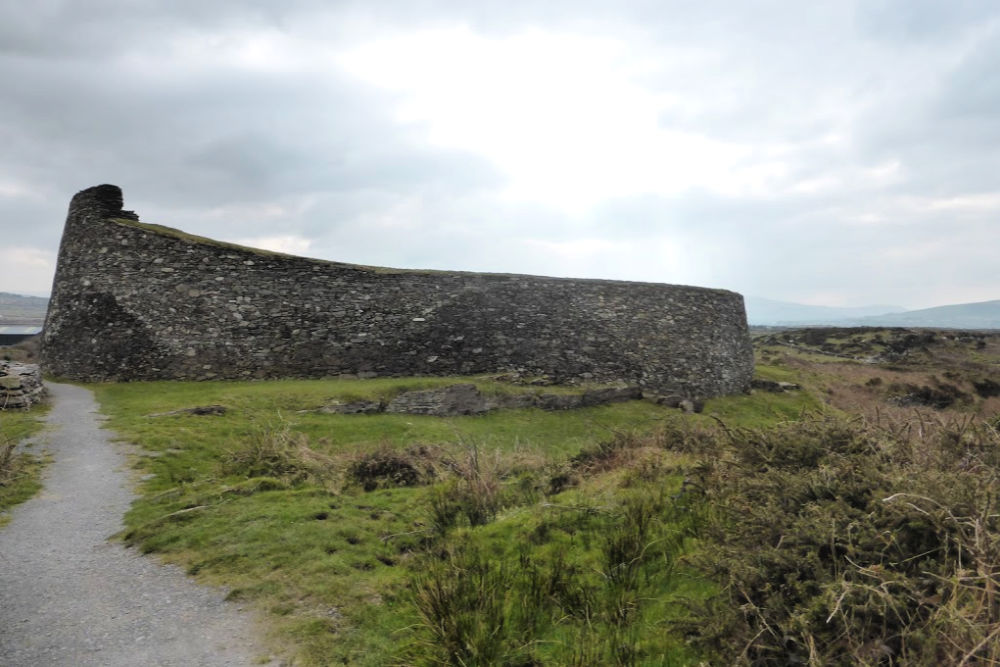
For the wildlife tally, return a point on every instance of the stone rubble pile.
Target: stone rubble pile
(20, 385)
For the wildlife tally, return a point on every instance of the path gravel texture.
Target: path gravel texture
(68, 596)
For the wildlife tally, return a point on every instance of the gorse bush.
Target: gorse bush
(845, 543)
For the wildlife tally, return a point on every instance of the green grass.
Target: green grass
(581, 581)
(764, 409)
(255, 405)
(775, 373)
(262, 500)
(19, 472)
(626, 534)
(171, 232)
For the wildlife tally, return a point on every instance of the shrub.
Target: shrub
(528, 600)
(462, 603)
(847, 544)
(940, 396)
(279, 452)
(607, 454)
(473, 493)
(987, 388)
(389, 467)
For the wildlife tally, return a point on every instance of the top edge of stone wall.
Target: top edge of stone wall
(109, 200)
(194, 239)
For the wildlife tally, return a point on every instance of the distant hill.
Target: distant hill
(768, 312)
(19, 309)
(981, 315)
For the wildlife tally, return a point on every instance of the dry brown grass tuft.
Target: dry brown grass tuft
(279, 452)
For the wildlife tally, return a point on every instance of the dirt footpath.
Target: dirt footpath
(70, 597)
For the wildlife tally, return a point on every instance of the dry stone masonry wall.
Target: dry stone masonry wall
(20, 385)
(140, 302)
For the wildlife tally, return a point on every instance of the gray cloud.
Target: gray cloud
(917, 22)
(879, 114)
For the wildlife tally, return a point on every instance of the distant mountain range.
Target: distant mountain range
(982, 315)
(22, 310)
(783, 313)
(767, 312)
(16, 309)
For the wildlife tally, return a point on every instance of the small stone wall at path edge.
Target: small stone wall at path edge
(20, 385)
(140, 302)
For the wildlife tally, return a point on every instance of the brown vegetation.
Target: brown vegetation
(27, 351)
(869, 536)
(855, 543)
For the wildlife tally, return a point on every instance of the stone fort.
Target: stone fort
(134, 301)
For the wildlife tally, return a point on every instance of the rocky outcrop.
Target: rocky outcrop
(20, 385)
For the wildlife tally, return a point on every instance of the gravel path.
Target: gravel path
(70, 597)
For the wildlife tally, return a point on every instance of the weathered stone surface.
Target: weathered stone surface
(670, 400)
(558, 401)
(136, 302)
(692, 405)
(198, 410)
(354, 408)
(513, 402)
(611, 395)
(766, 385)
(517, 378)
(20, 385)
(772, 386)
(457, 399)
(466, 399)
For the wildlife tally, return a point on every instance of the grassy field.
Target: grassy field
(515, 537)
(849, 522)
(19, 472)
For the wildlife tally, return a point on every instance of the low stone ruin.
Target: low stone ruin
(466, 399)
(20, 385)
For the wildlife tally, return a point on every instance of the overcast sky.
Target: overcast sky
(830, 153)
